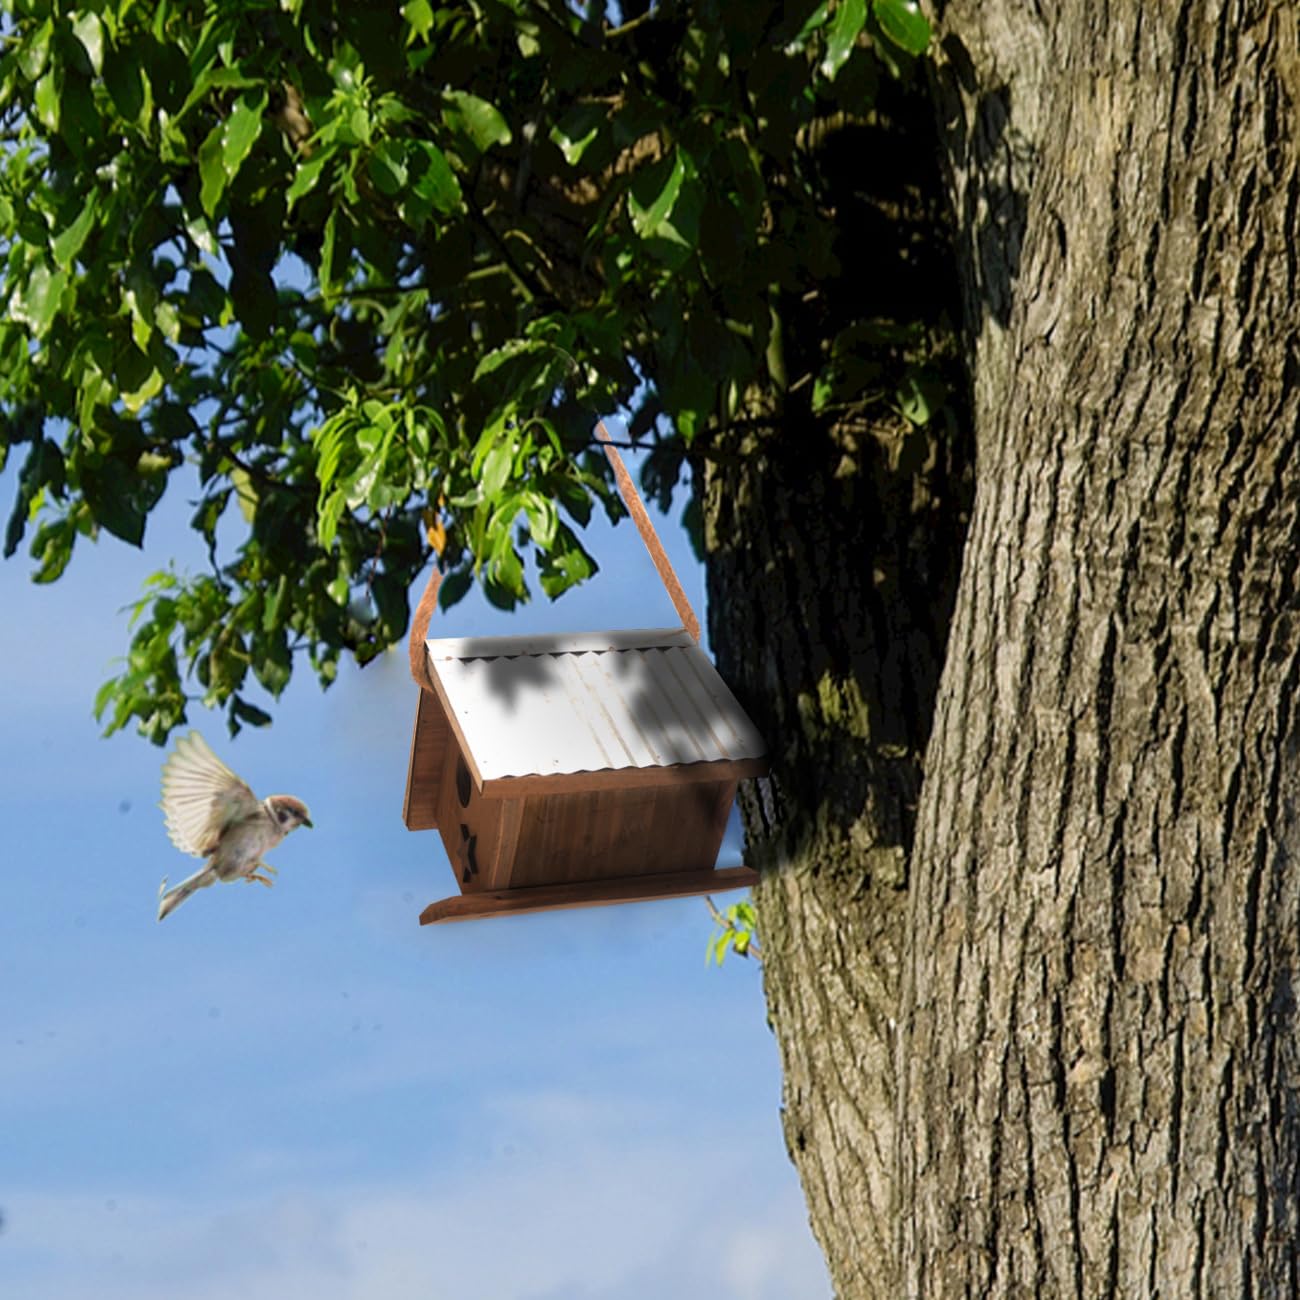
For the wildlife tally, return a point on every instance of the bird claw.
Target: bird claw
(261, 880)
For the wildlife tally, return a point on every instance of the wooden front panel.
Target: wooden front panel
(567, 838)
(480, 835)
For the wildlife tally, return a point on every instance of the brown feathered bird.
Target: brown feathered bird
(212, 814)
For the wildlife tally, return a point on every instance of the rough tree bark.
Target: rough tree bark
(834, 545)
(1099, 1073)
(1094, 1088)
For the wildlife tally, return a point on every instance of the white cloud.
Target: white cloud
(576, 1204)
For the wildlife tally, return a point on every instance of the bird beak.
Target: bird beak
(306, 821)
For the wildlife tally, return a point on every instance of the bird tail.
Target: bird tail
(170, 899)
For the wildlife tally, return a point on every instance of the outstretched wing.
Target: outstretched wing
(201, 796)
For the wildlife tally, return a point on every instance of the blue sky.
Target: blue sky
(298, 1092)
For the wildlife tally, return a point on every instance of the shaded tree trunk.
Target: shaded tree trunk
(1100, 1085)
(802, 562)
(834, 543)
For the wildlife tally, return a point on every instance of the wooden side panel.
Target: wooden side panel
(564, 839)
(429, 739)
(592, 893)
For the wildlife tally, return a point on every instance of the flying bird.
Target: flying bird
(212, 814)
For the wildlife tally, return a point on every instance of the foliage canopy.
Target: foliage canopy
(374, 270)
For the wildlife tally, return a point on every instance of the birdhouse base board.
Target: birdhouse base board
(587, 893)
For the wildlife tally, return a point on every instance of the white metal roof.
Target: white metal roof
(542, 706)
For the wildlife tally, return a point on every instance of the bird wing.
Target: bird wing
(201, 796)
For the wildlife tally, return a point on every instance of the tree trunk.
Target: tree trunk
(834, 545)
(1099, 1079)
(802, 562)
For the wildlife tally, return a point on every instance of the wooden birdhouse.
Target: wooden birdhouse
(576, 770)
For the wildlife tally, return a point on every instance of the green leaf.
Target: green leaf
(505, 580)
(121, 497)
(478, 119)
(223, 152)
(152, 386)
(36, 50)
(210, 79)
(436, 181)
(850, 15)
(454, 586)
(37, 302)
(904, 23)
(496, 468)
(52, 547)
(388, 167)
(249, 713)
(543, 519)
(920, 395)
(212, 171)
(47, 101)
(419, 17)
(242, 128)
(579, 126)
(566, 565)
(815, 20)
(335, 253)
(253, 294)
(653, 193)
(127, 86)
(68, 244)
(308, 174)
(79, 120)
(90, 32)
(245, 493)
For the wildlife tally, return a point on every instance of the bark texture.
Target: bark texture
(834, 546)
(798, 571)
(1099, 1073)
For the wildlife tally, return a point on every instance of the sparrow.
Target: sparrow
(212, 814)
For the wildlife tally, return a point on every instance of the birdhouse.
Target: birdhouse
(576, 770)
(570, 770)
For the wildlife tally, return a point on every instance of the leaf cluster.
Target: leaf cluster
(371, 272)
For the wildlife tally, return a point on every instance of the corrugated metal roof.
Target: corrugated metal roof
(494, 647)
(542, 706)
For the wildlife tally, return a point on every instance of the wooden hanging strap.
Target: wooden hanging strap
(415, 646)
(632, 499)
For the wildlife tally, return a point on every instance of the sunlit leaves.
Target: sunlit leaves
(419, 14)
(849, 17)
(35, 302)
(665, 203)
(369, 454)
(475, 118)
(578, 129)
(67, 244)
(904, 23)
(34, 50)
(46, 100)
(433, 179)
(654, 194)
(737, 932)
(228, 143)
(371, 281)
(89, 30)
(308, 173)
